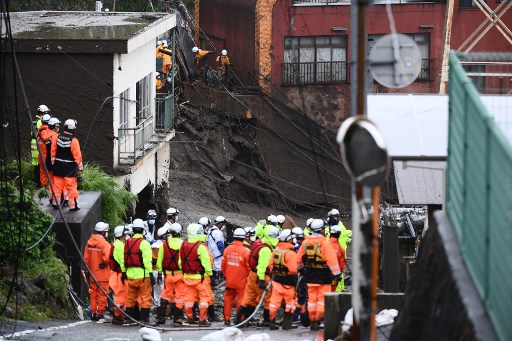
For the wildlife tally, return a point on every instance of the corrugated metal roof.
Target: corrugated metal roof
(420, 182)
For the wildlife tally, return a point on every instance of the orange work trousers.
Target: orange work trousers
(230, 295)
(139, 288)
(174, 289)
(281, 292)
(68, 186)
(97, 300)
(200, 287)
(252, 294)
(43, 179)
(316, 300)
(120, 290)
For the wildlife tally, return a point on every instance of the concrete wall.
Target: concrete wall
(72, 86)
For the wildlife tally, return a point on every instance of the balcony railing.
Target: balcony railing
(427, 71)
(315, 73)
(164, 106)
(374, 2)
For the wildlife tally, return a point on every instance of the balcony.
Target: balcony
(315, 73)
(135, 143)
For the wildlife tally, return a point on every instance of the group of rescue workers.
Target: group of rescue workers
(59, 152)
(148, 267)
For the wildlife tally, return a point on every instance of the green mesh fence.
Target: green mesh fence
(479, 195)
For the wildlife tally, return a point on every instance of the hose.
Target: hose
(257, 306)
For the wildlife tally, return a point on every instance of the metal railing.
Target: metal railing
(315, 73)
(134, 143)
(164, 106)
(427, 71)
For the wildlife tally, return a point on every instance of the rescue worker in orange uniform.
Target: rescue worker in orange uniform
(45, 143)
(340, 253)
(34, 153)
(235, 268)
(167, 59)
(284, 278)
(320, 264)
(67, 164)
(121, 233)
(259, 277)
(138, 272)
(196, 264)
(96, 255)
(169, 265)
(223, 64)
(42, 136)
(200, 62)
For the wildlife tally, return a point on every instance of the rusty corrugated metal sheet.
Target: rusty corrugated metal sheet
(230, 25)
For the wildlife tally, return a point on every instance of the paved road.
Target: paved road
(87, 330)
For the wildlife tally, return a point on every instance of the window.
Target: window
(467, 4)
(315, 60)
(143, 93)
(478, 81)
(427, 71)
(124, 112)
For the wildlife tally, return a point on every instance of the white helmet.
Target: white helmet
(152, 214)
(205, 221)
(317, 225)
(128, 229)
(194, 230)
(224, 53)
(138, 224)
(172, 211)
(334, 229)
(285, 235)
(309, 221)
(239, 233)
(165, 44)
(70, 124)
(333, 212)
(272, 219)
(280, 219)
(195, 49)
(220, 219)
(43, 108)
(273, 232)
(176, 228)
(298, 232)
(249, 231)
(162, 231)
(46, 118)
(157, 74)
(53, 121)
(101, 227)
(118, 231)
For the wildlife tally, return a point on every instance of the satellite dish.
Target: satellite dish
(363, 151)
(395, 61)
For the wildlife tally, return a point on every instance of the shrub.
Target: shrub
(117, 200)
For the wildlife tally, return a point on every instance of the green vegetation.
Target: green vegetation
(117, 201)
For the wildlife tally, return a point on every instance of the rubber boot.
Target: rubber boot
(178, 316)
(273, 325)
(211, 314)
(195, 311)
(204, 323)
(314, 325)
(173, 310)
(160, 311)
(288, 321)
(144, 317)
(296, 314)
(240, 315)
(136, 312)
(129, 312)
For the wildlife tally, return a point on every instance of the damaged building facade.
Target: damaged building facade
(99, 68)
(300, 50)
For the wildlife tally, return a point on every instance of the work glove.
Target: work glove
(102, 266)
(123, 277)
(263, 285)
(152, 279)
